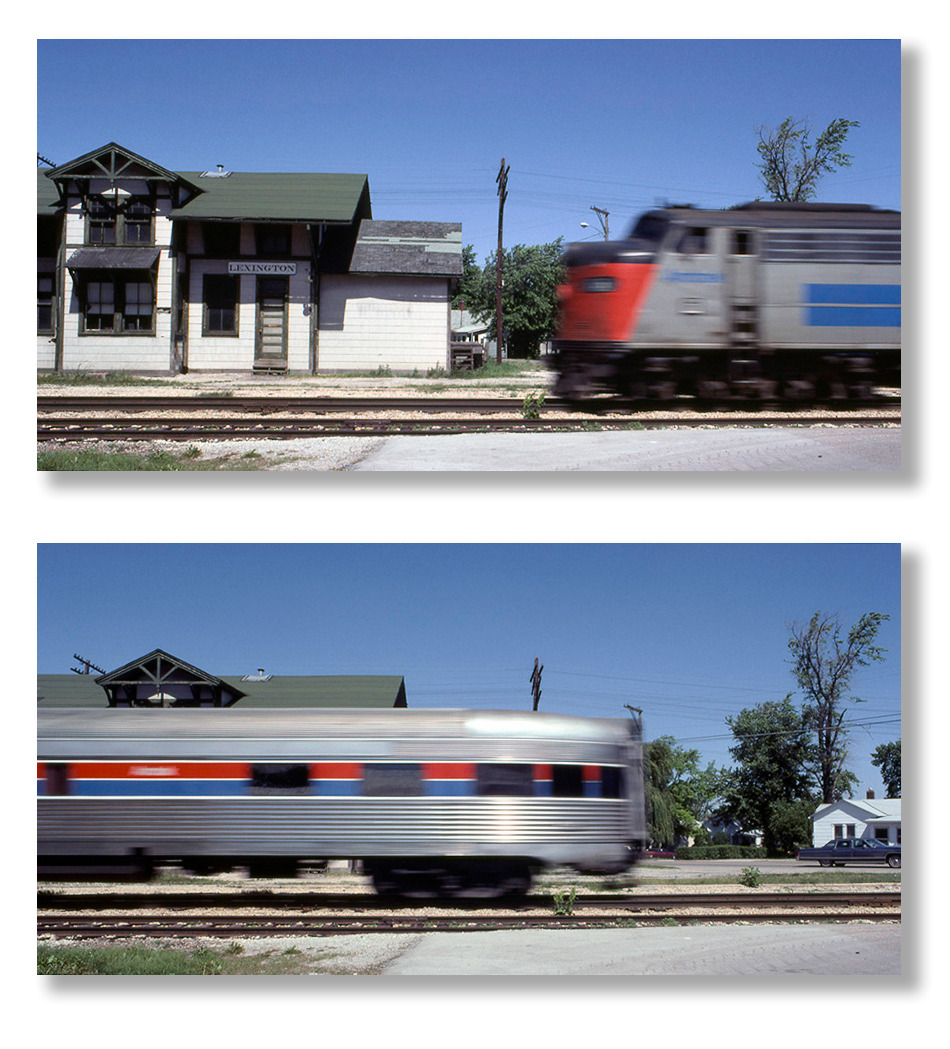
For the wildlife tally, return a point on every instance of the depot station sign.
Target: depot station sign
(279, 269)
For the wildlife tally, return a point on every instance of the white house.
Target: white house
(144, 269)
(877, 819)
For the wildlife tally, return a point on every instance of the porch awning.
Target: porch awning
(113, 258)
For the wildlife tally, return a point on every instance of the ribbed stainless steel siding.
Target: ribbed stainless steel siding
(566, 829)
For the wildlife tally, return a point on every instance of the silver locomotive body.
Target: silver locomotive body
(398, 789)
(786, 301)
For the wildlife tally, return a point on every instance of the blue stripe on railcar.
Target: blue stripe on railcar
(191, 788)
(852, 305)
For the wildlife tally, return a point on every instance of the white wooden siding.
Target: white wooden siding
(370, 322)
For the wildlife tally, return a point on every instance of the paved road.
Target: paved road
(762, 950)
(752, 449)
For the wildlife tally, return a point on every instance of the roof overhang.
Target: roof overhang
(113, 258)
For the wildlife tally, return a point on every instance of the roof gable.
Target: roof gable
(112, 162)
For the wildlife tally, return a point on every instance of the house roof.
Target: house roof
(234, 195)
(416, 248)
(278, 196)
(877, 809)
(376, 690)
(371, 690)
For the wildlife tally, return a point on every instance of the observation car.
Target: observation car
(767, 301)
(453, 801)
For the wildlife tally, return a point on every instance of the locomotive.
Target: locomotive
(437, 802)
(764, 301)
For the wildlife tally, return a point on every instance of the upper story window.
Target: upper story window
(221, 239)
(100, 222)
(272, 239)
(128, 222)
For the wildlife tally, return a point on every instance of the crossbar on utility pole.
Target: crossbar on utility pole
(502, 181)
(604, 217)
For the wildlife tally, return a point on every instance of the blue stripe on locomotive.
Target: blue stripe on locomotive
(852, 305)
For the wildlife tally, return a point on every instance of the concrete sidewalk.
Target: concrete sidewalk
(852, 949)
(748, 449)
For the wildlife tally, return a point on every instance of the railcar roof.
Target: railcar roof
(782, 216)
(235, 723)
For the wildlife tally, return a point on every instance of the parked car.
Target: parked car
(853, 850)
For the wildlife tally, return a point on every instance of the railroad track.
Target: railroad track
(404, 916)
(221, 418)
(169, 900)
(425, 404)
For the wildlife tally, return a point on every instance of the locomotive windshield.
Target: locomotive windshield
(650, 227)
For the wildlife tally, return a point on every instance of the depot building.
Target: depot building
(148, 270)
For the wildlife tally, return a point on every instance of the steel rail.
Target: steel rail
(196, 429)
(65, 901)
(426, 403)
(113, 926)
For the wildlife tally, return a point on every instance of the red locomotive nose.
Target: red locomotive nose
(603, 300)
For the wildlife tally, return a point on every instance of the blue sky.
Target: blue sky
(689, 633)
(615, 124)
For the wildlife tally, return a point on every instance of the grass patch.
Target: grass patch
(135, 960)
(97, 379)
(189, 458)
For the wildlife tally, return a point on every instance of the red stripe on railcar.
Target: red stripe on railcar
(336, 770)
(448, 770)
(157, 770)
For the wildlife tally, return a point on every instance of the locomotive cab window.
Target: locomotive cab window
(402, 781)
(741, 242)
(694, 240)
(511, 780)
(280, 779)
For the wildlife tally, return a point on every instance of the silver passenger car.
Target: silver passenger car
(459, 800)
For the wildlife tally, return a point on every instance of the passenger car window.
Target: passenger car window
(392, 780)
(280, 779)
(514, 780)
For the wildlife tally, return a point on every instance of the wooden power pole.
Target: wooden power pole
(502, 181)
(536, 685)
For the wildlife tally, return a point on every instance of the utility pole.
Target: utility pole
(502, 181)
(637, 714)
(604, 217)
(535, 680)
(87, 666)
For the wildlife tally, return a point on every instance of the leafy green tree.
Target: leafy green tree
(769, 789)
(887, 757)
(679, 793)
(792, 165)
(529, 293)
(824, 661)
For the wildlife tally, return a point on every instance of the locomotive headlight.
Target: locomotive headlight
(597, 284)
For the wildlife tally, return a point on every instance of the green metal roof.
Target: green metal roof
(69, 690)
(321, 691)
(280, 197)
(255, 196)
(81, 690)
(47, 197)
